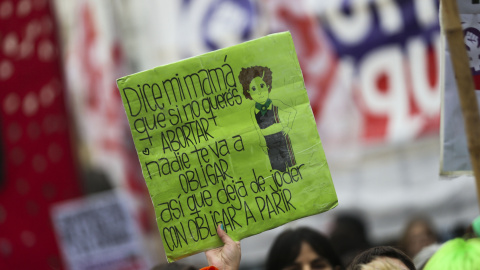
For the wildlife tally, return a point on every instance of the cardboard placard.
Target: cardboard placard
(227, 137)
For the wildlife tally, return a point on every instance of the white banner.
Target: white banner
(99, 232)
(455, 159)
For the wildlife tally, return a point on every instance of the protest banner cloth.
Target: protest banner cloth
(99, 232)
(463, 77)
(227, 137)
(38, 165)
(455, 159)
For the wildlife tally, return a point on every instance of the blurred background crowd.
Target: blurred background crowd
(69, 169)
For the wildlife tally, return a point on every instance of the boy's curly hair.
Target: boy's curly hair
(248, 74)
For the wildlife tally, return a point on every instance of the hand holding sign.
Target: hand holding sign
(228, 138)
(226, 257)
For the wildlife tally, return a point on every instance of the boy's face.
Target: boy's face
(258, 90)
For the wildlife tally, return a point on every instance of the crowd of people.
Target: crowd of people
(347, 248)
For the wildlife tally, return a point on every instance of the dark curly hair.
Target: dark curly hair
(287, 246)
(248, 74)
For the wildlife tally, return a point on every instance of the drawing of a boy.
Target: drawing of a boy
(272, 119)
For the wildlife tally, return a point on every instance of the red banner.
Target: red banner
(39, 164)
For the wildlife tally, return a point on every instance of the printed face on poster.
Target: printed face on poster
(228, 138)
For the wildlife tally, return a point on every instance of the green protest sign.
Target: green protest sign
(227, 137)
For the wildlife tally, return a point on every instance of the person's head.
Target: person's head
(302, 249)
(418, 234)
(256, 83)
(349, 235)
(456, 254)
(381, 265)
(382, 253)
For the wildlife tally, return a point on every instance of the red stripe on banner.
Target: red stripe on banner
(311, 47)
(432, 67)
(476, 81)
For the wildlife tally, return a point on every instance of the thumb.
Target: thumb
(223, 235)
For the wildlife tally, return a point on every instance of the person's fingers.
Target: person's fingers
(223, 235)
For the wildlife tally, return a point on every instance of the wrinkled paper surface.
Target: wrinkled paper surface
(210, 155)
